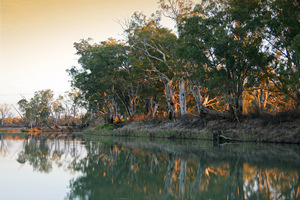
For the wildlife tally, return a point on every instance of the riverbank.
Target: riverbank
(44, 129)
(11, 129)
(276, 129)
(248, 130)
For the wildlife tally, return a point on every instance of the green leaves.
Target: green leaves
(38, 108)
(222, 48)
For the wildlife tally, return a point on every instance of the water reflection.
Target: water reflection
(125, 169)
(44, 150)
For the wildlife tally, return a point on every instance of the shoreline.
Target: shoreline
(249, 130)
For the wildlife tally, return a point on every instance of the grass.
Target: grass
(244, 136)
(269, 127)
(105, 127)
(10, 131)
(108, 130)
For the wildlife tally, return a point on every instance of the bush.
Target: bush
(105, 127)
(286, 116)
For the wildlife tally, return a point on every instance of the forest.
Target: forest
(44, 109)
(227, 58)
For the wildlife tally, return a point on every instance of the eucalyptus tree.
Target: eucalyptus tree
(26, 111)
(176, 10)
(226, 38)
(38, 109)
(198, 75)
(157, 45)
(196, 56)
(283, 42)
(107, 79)
(153, 97)
(72, 104)
(131, 81)
(94, 79)
(5, 112)
(42, 99)
(57, 109)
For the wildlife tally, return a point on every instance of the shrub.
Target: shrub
(286, 116)
(105, 127)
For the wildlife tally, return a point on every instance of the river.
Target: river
(52, 166)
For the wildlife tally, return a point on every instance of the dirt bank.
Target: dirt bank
(43, 129)
(254, 130)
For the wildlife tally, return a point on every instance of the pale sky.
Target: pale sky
(37, 37)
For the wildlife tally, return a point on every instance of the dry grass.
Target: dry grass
(285, 130)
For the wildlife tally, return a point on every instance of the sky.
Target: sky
(37, 37)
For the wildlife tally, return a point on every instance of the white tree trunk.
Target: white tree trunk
(200, 100)
(182, 97)
(155, 110)
(298, 98)
(132, 94)
(182, 177)
(170, 96)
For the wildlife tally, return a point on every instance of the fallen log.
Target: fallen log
(217, 136)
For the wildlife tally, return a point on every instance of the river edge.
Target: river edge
(206, 151)
(249, 130)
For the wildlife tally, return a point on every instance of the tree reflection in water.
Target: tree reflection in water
(133, 170)
(41, 152)
(126, 172)
(3, 148)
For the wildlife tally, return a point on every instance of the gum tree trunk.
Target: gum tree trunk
(170, 96)
(182, 97)
(200, 101)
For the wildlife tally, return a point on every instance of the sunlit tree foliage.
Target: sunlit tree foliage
(228, 57)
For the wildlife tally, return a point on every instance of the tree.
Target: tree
(5, 112)
(219, 53)
(227, 39)
(73, 100)
(176, 9)
(25, 108)
(57, 109)
(38, 109)
(282, 38)
(107, 65)
(156, 45)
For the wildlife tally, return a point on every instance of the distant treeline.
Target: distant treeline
(228, 57)
(43, 109)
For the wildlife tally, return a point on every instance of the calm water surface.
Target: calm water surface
(56, 167)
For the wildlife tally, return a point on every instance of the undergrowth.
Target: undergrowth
(105, 127)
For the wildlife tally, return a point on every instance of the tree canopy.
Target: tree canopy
(230, 56)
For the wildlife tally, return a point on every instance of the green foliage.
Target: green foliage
(222, 50)
(282, 35)
(228, 40)
(105, 127)
(38, 109)
(111, 66)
